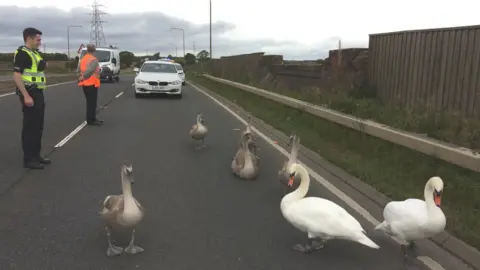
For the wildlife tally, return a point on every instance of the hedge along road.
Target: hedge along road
(199, 216)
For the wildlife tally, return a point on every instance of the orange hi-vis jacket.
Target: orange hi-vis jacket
(95, 78)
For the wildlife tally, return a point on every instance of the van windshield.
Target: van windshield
(102, 56)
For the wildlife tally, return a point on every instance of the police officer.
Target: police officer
(89, 79)
(29, 77)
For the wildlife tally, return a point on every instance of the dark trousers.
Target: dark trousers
(91, 94)
(32, 130)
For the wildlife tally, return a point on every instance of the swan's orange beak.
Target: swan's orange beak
(437, 198)
(290, 181)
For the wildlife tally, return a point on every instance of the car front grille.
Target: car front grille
(157, 83)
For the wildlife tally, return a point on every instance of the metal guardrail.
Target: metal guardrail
(460, 156)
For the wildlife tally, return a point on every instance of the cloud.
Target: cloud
(139, 32)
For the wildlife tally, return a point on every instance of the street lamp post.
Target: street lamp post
(68, 43)
(183, 36)
(211, 57)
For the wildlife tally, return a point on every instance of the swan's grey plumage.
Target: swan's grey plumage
(199, 131)
(245, 163)
(122, 212)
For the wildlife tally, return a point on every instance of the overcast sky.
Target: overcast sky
(300, 29)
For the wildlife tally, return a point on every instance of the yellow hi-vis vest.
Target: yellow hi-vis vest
(32, 75)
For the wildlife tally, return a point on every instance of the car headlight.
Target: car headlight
(176, 82)
(140, 81)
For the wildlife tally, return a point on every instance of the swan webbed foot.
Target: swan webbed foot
(133, 249)
(311, 246)
(114, 250)
(317, 245)
(303, 248)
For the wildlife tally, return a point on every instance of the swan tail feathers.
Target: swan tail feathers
(382, 226)
(368, 242)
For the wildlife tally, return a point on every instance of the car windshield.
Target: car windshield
(179, 67)
(102, 56)
(158, 68)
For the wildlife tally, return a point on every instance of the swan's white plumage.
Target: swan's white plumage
(318, 217)
(321, 217)
(414, 219)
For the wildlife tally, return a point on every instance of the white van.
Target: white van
(109, 61)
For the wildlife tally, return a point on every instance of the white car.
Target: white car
(157, 77)
(180, 72)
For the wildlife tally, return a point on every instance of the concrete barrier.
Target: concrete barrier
(460, 156)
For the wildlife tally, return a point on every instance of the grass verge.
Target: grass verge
(6, 86)
(394, 170)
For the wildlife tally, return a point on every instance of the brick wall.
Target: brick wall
(271, 71)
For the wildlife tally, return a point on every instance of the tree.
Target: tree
(156, 56)
(203, 55)
(170, 56)
(127, 58)
(190, 59)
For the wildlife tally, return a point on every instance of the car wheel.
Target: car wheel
(183, 83)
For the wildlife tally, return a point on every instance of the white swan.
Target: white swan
(414, 219)
(319, 218)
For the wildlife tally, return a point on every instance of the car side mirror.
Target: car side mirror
(136, 70)
(114, 61)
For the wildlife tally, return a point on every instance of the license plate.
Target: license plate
(158, 87)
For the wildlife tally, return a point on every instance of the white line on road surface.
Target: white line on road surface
(51, 85)
(119, 94)
(69, 136)
(337, 192)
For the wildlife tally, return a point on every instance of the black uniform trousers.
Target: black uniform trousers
(32, 130)
(91, 95)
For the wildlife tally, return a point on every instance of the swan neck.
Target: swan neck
(294, 152)
(126, 186)
(302, 190)
(428, 194)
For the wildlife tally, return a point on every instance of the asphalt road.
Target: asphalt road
(199, 216)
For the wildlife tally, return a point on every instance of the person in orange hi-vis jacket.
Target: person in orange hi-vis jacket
(88, 72)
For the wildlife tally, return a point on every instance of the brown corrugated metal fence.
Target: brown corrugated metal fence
(438, 68)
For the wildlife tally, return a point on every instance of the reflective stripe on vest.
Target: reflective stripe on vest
(32, 75)
(95, 78)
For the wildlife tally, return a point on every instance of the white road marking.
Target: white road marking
(51, 85)
(337, 192)
(69, 136)
(119, 94)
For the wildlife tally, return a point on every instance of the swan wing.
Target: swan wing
(194, 127)
(239, 158)
(410, 211)
(139, 205)
(320, 217)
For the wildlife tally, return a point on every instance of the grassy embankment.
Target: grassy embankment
(393, 170)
